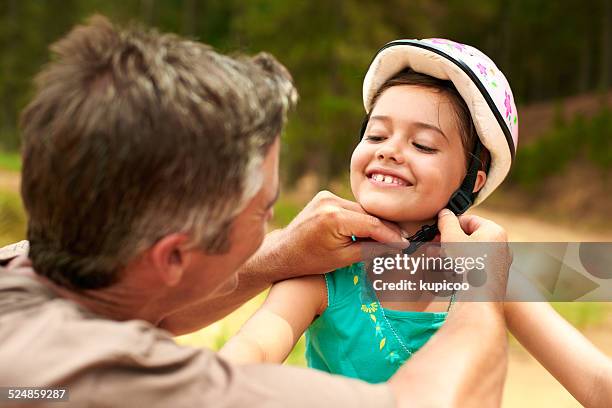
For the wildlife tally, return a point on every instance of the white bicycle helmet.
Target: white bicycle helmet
(480, 83)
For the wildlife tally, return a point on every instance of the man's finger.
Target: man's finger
(470, 223)
(449, 226)
(362, 250)
(350, 205)
(367, 226)
(482, 229)
(433, 251)
(329, 198)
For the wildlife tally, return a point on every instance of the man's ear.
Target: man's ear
(169, 258)
(481, 178)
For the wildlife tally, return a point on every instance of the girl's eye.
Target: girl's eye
(424, 148)
(375, 138)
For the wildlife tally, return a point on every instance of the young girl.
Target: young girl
(441, 131)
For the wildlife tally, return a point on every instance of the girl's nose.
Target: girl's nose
(391, 152)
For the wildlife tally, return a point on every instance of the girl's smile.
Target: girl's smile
(411, 158)
(387, 178)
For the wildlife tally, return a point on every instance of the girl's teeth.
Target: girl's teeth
(387, 179)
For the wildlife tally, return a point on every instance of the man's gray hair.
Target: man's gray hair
(133, 135)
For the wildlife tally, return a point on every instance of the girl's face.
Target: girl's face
(411, 158)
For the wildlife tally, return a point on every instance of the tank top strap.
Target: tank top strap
(343, 282)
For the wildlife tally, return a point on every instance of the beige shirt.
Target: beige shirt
(50, 341)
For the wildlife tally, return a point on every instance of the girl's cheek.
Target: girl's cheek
(354, 172)
(424, 167)
(359, 160)
(359, 155)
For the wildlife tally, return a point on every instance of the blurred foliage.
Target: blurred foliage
(583, 314)
(284, 212)
(10, 161)
(12, 218)
(327, 45)
(565, 142)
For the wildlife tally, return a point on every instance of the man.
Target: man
(150, 167)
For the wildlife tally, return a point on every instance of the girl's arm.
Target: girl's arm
(570, 357)
(272, 332)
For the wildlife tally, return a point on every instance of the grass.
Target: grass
(10, 161)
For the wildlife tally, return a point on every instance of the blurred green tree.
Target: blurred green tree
(549, 50)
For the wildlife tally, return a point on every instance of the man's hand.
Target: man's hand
(319, 240)
(468, 228)
(470, 236)
(470, 348)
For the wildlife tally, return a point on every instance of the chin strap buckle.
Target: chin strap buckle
(424, 235)
(459, 202)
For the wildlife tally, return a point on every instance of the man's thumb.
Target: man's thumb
(448, 224)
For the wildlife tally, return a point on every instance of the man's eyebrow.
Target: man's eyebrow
(275, 199)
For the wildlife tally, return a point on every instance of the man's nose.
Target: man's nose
(390, 151)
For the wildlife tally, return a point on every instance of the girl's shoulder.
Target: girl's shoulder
(343, 283)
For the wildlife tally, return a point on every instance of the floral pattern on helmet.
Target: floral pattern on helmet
(489, 75)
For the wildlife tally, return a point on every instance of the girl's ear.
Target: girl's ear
(481, 178)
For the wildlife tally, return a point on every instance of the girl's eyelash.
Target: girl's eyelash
(374, 138)
(424, 148)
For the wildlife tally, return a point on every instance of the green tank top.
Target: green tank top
(356, 338)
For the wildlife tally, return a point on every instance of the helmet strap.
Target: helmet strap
(463, 197)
